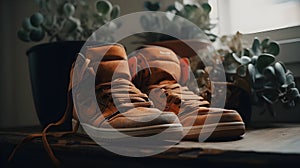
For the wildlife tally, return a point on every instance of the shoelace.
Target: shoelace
(179, 98)
(182, 100)
(114, 91)
(44, 135)
(123, 94)
(69, 110)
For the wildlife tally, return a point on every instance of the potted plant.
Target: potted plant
(196, 13)
(66, 24)
(254, 77)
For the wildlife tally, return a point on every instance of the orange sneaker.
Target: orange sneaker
(122, 107)
(157, 72)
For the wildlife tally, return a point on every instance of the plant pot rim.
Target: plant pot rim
(46, 44)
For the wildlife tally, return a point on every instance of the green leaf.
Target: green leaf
(263, 61)
(273, 48)
(26, 24)
(256, 46)
(230, 63)
(36, 19)
(69, 9)
(246, 52)
(115, 12)
(71, 25)
(292, 94)
(236, 57)
(23, 35)
(206, 7)
(291, 85)
(242, 70)
(252, 72)
(37, 35)
(103, 7)
(289, 77)
(152, 6)
(50, 4)
(265, 43)
(269, 72)
(245, 60)
(254, 59)
(188, 10)
(280, 73)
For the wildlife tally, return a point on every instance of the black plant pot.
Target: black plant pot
(49, 66)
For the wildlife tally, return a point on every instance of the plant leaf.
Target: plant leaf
(289, 77)
(291, 85)
(23, 35)
(265, 44)
(292, 94)
(26, 24)
(189, 10)
(103, 7)
(273, 48)
(115, 12)
(152, 6)
(280, 73)
(230, 63)
(255, 46)
(252, 71)
(245, 60)
(246, 52)
(269, 72)
(36, 19)
(37, 35)
(206, 7)
(242, 70)
(263, 61)
(69, 9)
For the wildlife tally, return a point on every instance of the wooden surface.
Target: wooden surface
(275, 138)
(275, 145)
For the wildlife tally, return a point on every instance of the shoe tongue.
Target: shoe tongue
(164, 63)
(106, 52)
(113, 62)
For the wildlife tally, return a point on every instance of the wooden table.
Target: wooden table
(272, 145)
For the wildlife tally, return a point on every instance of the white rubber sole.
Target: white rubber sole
(169, 131)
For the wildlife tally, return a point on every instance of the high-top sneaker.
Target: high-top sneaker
(157, 72)
(119, 105)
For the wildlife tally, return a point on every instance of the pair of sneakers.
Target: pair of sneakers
(143, 94)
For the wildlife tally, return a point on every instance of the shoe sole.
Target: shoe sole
(226, 130)
(164, 132)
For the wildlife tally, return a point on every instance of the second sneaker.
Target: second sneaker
(157, 71)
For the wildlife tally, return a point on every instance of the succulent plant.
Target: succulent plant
(190, 10)
(63, 20)
(257, 70)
